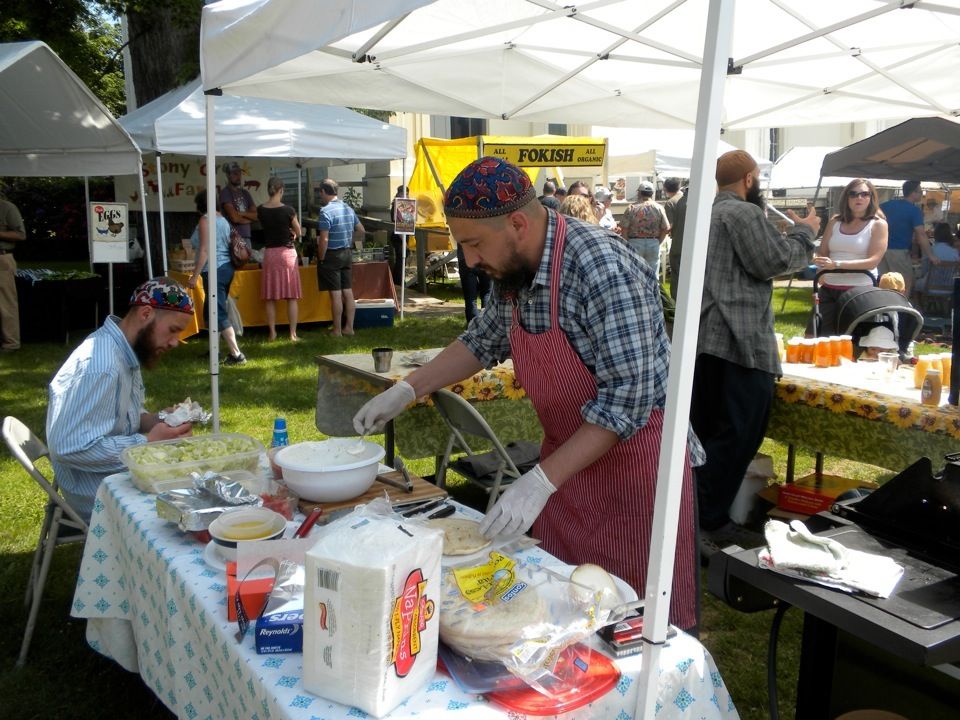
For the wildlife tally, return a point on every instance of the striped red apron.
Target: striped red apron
(604, 513)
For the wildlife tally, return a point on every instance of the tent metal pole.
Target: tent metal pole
(86, 197)
(300, 195)
(211, 288)
(163, 230)
(143, 213)
(816, 193)
(673, 443)
(403, 243)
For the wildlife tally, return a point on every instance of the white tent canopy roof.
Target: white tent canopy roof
(610, 62)
(666, 153)
(799, 167)
(52, 124)
(256, 127)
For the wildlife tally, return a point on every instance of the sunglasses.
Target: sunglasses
(858, 194)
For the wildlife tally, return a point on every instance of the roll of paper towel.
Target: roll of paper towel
(370, 614)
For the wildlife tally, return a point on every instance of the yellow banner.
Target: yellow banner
(552, 155)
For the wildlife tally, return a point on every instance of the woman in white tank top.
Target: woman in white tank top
(855, 239)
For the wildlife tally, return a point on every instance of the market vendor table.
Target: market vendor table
(371, 281)
(850, 412)
(146, 583)
(345, 382)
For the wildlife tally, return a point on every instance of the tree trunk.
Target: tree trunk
(164, 47)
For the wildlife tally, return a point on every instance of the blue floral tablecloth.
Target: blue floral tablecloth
(154, 605)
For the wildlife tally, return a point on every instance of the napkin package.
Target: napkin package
(370, 614)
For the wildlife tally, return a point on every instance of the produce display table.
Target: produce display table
(850, 412)
(371, 281)
(156, 607)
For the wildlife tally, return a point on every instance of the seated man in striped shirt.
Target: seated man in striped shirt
(95, 407)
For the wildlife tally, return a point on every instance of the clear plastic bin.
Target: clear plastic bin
(218, 452)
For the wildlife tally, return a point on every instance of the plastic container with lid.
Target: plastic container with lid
(932, 387)
(172, 459)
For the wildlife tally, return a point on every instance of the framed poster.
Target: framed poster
(404, 216)
(108, 224)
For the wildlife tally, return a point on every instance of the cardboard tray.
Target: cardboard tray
(422, 490)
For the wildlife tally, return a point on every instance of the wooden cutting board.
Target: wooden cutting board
(422, 490)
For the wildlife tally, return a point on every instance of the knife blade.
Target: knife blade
(423, 507)
(398, 465)
(441, 512)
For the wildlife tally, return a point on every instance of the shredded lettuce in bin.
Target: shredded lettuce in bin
(155, 461)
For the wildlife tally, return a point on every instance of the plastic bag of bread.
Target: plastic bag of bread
(516, 613)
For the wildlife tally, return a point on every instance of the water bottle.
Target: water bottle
(280, 438)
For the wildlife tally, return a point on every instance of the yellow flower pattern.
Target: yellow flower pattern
(873, 406)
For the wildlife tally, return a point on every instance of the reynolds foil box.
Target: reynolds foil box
(280, 631)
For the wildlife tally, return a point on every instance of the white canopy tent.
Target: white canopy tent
(664, 153)
(287, 132)
(799, 167)
(53, 125)
(620, 63)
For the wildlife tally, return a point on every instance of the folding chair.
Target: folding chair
(61, 523)
(937, 291)
(494, 470)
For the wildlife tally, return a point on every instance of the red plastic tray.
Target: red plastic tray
(583, 676)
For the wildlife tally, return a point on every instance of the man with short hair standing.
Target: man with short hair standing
(11, 231)
(580, 316)
(337, 227)
(549, 199)
(905, 224)
(236, 203)
(737, 358)
(96, 400)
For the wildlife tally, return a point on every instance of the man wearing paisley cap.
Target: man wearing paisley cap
(96, 400)
(579, 313)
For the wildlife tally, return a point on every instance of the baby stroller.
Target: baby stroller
(864, 307)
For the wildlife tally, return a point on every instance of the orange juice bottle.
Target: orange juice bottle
(835, 350)
(807, 346)
(793, 350)
(920, 370)
(821, 355)
(946, 361)
(846, 347)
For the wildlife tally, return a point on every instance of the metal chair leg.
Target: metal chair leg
(38, 553)
(49, 545)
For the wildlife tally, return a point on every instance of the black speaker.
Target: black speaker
(954, 370)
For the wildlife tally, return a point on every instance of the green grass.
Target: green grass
(64, 678)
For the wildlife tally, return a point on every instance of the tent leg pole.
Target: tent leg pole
(146, 231)
(163, 231)
(403, 244)
(211, 289)
(673, 443)
(86, 196)
(110, 284)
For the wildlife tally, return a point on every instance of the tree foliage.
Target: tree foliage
(86, 39)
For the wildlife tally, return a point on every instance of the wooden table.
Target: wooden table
(371, 281)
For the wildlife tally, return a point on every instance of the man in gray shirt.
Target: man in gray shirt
(737, 357)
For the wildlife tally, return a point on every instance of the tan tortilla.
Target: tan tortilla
(460, 537)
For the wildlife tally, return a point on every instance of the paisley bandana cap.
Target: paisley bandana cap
(163, 293)
(488, 187)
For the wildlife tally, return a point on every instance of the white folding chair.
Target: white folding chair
(61, 523)
(494, 470)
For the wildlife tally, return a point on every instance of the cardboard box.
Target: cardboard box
(804, 496)
(374, 313)
(253, 593)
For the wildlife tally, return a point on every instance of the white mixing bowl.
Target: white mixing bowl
(325, 470)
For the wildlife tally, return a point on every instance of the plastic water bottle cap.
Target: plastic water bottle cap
(280, 424)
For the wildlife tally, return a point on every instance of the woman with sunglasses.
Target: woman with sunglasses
(855, 239)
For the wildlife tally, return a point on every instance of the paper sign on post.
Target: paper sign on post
(108, 232)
